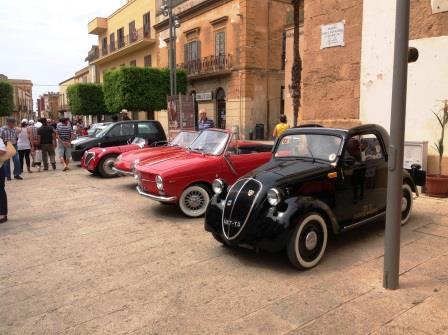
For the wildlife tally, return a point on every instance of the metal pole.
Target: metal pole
(170, 24)
(397, 130)
(174, 61)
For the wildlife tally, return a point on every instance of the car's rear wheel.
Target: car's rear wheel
(105, 166)
(406, 204)
(308, 242)
(194, 200)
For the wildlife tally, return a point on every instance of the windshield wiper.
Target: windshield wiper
(311, 153)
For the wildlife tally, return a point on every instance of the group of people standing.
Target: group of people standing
(35, 145)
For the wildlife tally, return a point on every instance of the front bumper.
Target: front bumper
(156, 197)
(122, 172)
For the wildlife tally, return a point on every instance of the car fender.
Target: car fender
(306, 204)
(407, 179)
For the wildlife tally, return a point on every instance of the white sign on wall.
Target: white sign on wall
(332, 35)
(206, 96)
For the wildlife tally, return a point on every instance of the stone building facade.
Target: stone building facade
(350, 84)
(233, 52)
(22, 97)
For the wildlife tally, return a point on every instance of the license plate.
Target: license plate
(232, 223)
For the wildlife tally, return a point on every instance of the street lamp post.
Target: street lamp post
(173, 23)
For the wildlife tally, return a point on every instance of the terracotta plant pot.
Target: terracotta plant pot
(437, 186)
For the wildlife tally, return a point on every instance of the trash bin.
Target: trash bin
(259, 131)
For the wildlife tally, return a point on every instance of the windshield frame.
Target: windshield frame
(105, 130)
(182, 132)
(224, 148)
(333, 162)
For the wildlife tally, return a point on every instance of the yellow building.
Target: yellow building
(81, 76)
(125, 38)
(23, 97)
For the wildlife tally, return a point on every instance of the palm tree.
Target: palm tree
(297, 63)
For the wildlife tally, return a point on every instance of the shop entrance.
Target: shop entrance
(221, 108)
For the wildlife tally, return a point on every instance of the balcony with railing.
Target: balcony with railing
(137, 39)
(208, 66)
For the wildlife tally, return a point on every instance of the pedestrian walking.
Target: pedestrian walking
(47, 138)
(10, 134)
(24, 145)
(64, 134)
(3, 197)
(280, 127)
(204, 123)
(34, 138)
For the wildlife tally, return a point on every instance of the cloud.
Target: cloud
(47, 40)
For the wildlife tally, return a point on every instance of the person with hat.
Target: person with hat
(24, 145)
(10, 134)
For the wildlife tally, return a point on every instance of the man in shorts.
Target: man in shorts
(64, 134)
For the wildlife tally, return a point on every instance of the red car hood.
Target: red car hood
(148, 153)
(175, 162)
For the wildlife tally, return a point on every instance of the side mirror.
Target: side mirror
(349, 161)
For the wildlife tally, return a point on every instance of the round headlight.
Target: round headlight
(159, 183)
(274, 197)
(218, 186)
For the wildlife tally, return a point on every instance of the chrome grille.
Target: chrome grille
(89, 157)
(238, 207)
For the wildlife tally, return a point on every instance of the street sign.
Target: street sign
(205, 96)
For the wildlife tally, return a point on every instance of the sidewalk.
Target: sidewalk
(112, 262)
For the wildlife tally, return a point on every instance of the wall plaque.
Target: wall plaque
(332, 35)
(205, 96)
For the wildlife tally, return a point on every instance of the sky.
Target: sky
(46, 41)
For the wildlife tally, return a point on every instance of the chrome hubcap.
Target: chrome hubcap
(404, 203)
(108, 164)
(311, 240)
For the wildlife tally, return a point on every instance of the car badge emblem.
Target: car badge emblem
(229, 203)
(251, 193)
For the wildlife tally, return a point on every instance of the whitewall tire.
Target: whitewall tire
(194, 201)
(407, 201)
(308, 242)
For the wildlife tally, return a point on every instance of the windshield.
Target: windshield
(314, 146)
(102, 131)
(184, 139)
(210, 142)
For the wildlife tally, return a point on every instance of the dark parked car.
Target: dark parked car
(121, 133)
(318, 179)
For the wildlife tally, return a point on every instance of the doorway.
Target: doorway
(221, 108)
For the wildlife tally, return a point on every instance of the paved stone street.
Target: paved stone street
(83, 255)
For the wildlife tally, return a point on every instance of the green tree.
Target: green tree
(6, 99)
(86, 99)
(139, 89)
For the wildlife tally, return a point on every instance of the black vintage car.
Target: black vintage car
(120, 133)
(319, 179)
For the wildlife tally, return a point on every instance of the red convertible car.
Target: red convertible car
(186, 179)
(125, 163)
(101, 160)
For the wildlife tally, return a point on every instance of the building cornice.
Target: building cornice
(192, 12)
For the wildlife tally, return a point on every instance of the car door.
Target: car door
(240, 162)
(119, 134)
(361, 187)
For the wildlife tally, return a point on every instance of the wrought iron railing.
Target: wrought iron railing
(208, 65)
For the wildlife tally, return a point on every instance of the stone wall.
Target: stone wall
(331, 75)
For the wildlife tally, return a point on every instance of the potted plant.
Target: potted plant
(437, 185)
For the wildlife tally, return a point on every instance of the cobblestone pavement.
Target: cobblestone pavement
(83, 255)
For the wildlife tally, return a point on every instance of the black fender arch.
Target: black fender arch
(307, 204)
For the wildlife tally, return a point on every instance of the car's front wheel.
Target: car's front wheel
(406, 204)
(308, 242)
(105, 167)
(194, 200)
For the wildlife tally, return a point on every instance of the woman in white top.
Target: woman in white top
(24, 144)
